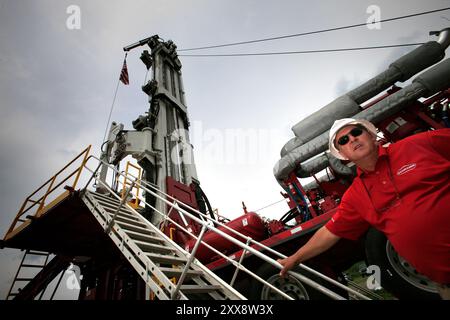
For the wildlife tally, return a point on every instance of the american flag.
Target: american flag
(124, 73)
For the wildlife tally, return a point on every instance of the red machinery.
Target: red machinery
(249, 224)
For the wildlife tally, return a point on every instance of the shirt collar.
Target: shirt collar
(382, 152)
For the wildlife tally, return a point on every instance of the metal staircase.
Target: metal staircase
(154, 256)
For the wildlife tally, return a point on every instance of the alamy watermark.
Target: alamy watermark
(73, 21)
(230, 146)
(373, 21)
(73, 280)
(373, 282)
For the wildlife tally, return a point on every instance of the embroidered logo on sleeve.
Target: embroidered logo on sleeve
(406, 168)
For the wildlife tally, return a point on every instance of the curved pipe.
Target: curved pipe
(208, 204)
(338, 166)
(444, 37)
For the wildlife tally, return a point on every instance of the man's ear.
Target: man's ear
(345, 158)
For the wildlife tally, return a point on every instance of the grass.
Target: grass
(356, 275)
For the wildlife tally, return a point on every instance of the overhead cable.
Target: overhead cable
(314, 32)
(300, 52)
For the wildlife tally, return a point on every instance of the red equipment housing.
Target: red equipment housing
(249, 224)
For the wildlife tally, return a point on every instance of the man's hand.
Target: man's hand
(321, 241)
(288, 264)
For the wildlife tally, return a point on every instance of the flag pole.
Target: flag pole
(112, 105)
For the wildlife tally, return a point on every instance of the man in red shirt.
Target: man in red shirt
(403, 190)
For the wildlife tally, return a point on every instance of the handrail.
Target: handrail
(255, 243)
(125, 184)
(145, 221)
(266, 258)
(41, 201)
(276, 264)
(242, 245)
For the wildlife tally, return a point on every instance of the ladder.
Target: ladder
(27, 265)
(154, 256)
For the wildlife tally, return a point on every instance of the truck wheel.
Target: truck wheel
(289, 285)
(397, 275)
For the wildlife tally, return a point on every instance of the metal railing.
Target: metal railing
(145, 221)
(128, 184)
(40, 203)
(174, 204)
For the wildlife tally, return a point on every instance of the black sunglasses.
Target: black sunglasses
(355, 132)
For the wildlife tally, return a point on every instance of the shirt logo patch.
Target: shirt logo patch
(406, 168)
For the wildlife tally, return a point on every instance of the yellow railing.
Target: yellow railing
(29, 203)
(128, 182)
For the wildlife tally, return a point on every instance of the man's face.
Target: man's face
(356, 148)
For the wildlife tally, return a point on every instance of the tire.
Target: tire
(289, 285)
(397, 275)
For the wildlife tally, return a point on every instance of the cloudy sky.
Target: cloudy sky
(57, 83)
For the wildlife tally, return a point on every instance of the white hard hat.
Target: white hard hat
(341, 123)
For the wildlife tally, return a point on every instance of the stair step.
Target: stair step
(120, 217)
(124, 216)
(137, 224)
(38, 253)
(160, 258)
(192, 288)
(103, 196)
(112, 207)
(24, 279)
(33, 265)
(173, 272)
(122, 211)
(133, 227)
(151, 247)
(111, 200)
(143, 237)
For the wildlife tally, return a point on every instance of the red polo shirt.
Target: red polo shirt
(407, 197)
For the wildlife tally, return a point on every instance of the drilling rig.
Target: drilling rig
(154, 234)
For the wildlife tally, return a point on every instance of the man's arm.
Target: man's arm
(321, 241)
